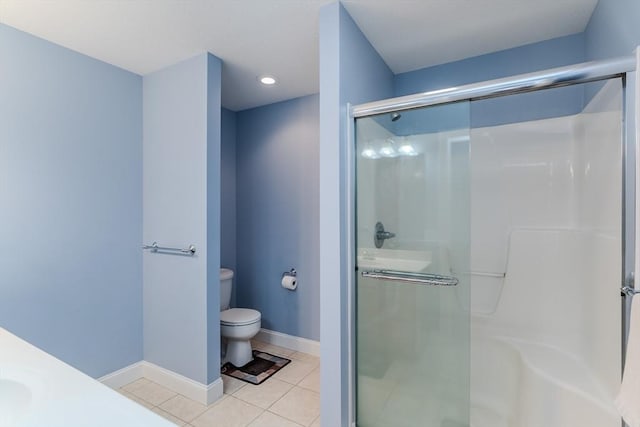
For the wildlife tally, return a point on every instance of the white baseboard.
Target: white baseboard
(205, 394)
(123, 376)
(289, 341)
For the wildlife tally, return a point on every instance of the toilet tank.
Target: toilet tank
(226, 279)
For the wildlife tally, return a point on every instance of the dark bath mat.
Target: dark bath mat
(258, 370)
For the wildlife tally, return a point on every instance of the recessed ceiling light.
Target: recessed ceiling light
(267, 80)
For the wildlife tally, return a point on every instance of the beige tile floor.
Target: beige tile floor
(291, 398)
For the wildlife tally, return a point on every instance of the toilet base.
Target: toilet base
(238, 352)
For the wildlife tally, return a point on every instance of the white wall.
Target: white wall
(598, 129)
(546, 210)
(370, 135)
(413, 196)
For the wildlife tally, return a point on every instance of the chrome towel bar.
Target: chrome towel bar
(191, 250)
(418, 278)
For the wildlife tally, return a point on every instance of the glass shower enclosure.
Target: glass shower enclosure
(489, 260)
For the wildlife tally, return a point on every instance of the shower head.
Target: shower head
(395, 117)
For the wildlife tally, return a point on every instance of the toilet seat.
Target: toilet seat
(239, 317)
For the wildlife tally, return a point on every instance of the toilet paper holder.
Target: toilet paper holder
(292, 273)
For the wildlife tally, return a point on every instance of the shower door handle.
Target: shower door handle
(417, 278)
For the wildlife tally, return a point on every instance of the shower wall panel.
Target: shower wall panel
(546, 212)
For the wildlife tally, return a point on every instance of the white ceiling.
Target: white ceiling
(412, 34)
(280, 37)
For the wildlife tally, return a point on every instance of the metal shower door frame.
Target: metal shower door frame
(623, 68)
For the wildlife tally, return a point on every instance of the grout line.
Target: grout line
(288, 419)
(207, 407)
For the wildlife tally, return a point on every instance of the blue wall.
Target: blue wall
(614, 29)
(70, 197)
(532, 106)
(524, 59)
(214, 189)
(181, 195)
(277, 214)
(351, 71)
(228, 194)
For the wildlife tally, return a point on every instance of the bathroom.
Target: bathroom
(259, 187)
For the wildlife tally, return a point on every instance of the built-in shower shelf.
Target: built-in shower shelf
(391, 259)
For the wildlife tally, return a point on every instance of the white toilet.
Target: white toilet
(237, 325)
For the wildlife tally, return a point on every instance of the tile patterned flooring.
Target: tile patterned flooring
(291, 398)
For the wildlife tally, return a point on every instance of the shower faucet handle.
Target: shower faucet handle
(381, 235)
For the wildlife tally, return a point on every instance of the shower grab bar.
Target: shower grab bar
(419, 278)
(191, 250)
(628, 291)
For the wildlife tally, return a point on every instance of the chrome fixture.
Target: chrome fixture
(380, 235)
(395, 116)
(628, 291)
(292, 273)
(191, 250)
(418, 278)
(563, 76)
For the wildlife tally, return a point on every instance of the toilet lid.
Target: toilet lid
(226, 274)
(239, 316)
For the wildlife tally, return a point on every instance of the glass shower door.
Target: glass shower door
(412, 286)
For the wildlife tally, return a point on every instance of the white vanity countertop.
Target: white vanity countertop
(38, 390)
